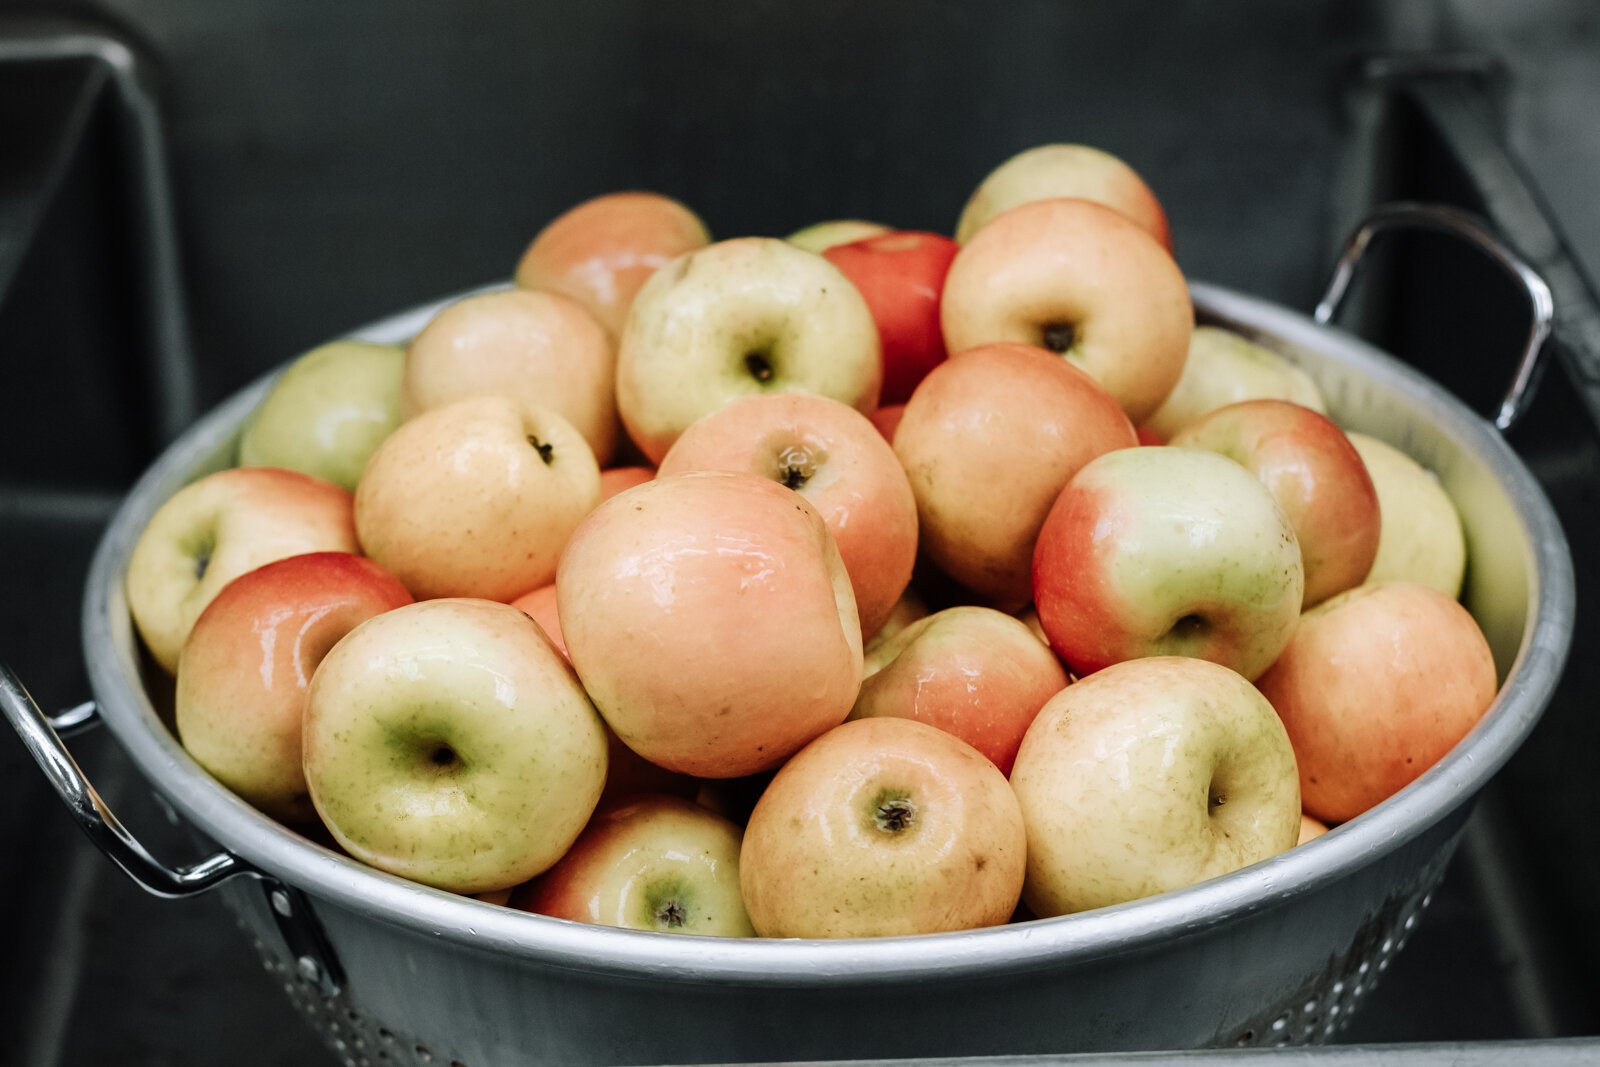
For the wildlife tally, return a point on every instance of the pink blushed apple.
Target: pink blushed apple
(248, 662)
(883, 827)
(1082, 281)
(973, 672)
(1057, 170)
(830, 454)
(1376, 686)
(711, 619)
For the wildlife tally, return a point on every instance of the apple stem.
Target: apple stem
(1059, 336)
(895, 816)
(546, 451)
(202, 561)
(759, 366)
(672, 914)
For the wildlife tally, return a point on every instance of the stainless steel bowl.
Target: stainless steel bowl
(1279, 953)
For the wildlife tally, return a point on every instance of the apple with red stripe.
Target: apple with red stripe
(901, 276)
(1167, 552)
(246, 669)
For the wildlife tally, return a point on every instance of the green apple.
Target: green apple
(739, 318)
(449, 742)
(1071, 170)
(649, 862)
(328, 412)
(1149, 776)
(1224, 368)
(821, 236)
(1420, 539)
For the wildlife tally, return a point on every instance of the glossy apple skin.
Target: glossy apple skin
(1064, 170)
(215, 529)
(1051, 267)
(887, 420)
(601, 252)
(901, 276)
(649, 862)
(987, 442)
(740, 318)
(712, 622)
(1421, 540)
(617, 479)
(1150, 776)
(833, 456)
(1377, 685)
(1316, 476)
(539, 348)
(975, 673)
(821, 236)
(540, 606)
(460, 502)
(448, 742)
(1167, 552)
(1223, 368)
(248, 662)
(822, 856)
(328, 412)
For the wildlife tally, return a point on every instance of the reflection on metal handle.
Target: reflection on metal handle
(1405, 215)
(44, 745)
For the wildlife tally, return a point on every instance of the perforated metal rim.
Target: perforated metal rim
(112, 661)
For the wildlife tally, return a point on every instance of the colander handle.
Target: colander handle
(1403, 215)
(39, 736)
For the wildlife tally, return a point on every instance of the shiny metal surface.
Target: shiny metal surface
(1278, 953)
(1460, 224)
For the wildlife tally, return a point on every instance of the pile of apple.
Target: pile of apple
(609, 594)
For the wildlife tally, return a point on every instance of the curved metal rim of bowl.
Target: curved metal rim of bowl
(112, 664)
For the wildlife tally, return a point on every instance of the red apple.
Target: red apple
(601, 252)
(648, 863)
(830, 454)
(224, 525)
(1316, 476)
(900, 275)
(887, 420)
(1376, 686)
(617, 479)
(1166, 552)
(973, 672)
(540, 606)
(883, 827)
(711, 619)
(248, 662)
(988, 441)
(1081, 280)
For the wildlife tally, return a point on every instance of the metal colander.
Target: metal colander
(1279, 953)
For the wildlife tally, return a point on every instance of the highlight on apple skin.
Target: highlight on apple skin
(1064, 170)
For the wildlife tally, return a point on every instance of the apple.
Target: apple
(1376, 686)
(648, 862)
(1316, 476)
(248, 662)
(821, 236)
(1167, 552)
(215, 529)
(1310, 829)
(882, 827)
(1150, 776)
(617, 479)
(476, 498)
(832, 455)
(540, 348)
(1081, 280)
(907, 610)
(1064, 170)
(1421, 539)
(900, 275)
(973, 672)
(601, 252)
(739, 318)
(1224, 368)
(711, 620)
(328, 412)
(449, 743)
(887, 420)
(1029, 617)
(540, 606)
(988, 441)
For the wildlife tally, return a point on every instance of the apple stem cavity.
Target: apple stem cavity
(672, 914)
(443, 756)
(1059, 336)
(1188, 627)
(796, 467)
(895, 815)
(546, 450)
(759, 366)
